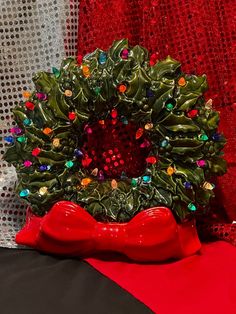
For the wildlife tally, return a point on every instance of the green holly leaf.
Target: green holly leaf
(191, 92)
(217, 166)
(165, 68)
(181, 123)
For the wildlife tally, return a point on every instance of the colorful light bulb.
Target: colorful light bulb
(56, 72)
(36, 151)
(192, 207)
(102, 58)
(27, 121)
(29, 105)
(9, 139)
(24, 193)
(69, 164)
(43, 190)
(27, 163)
(86, 181)
(147, 179)
(139, 133)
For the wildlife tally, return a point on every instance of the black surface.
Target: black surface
(33, 283)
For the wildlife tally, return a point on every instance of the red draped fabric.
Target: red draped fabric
(200, 34)
(203, 283)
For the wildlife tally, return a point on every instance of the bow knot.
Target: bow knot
(110, 237)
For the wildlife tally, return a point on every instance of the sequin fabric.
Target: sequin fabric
(35, 35)
(200, 34)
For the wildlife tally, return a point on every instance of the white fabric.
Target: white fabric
(33, 37)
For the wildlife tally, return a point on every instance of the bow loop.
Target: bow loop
(158, 219)
(68, 220)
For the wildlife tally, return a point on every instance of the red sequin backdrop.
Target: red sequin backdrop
(200, 34)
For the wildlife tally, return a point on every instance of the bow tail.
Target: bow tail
(188, 239)
(29, 233)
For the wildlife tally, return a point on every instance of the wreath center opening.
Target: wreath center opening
(115, 148)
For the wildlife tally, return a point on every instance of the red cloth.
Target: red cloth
(200, 34)
(204, 283)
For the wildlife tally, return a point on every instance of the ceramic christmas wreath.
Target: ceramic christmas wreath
(118, 136)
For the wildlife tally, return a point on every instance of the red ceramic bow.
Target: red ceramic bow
(68, 229)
